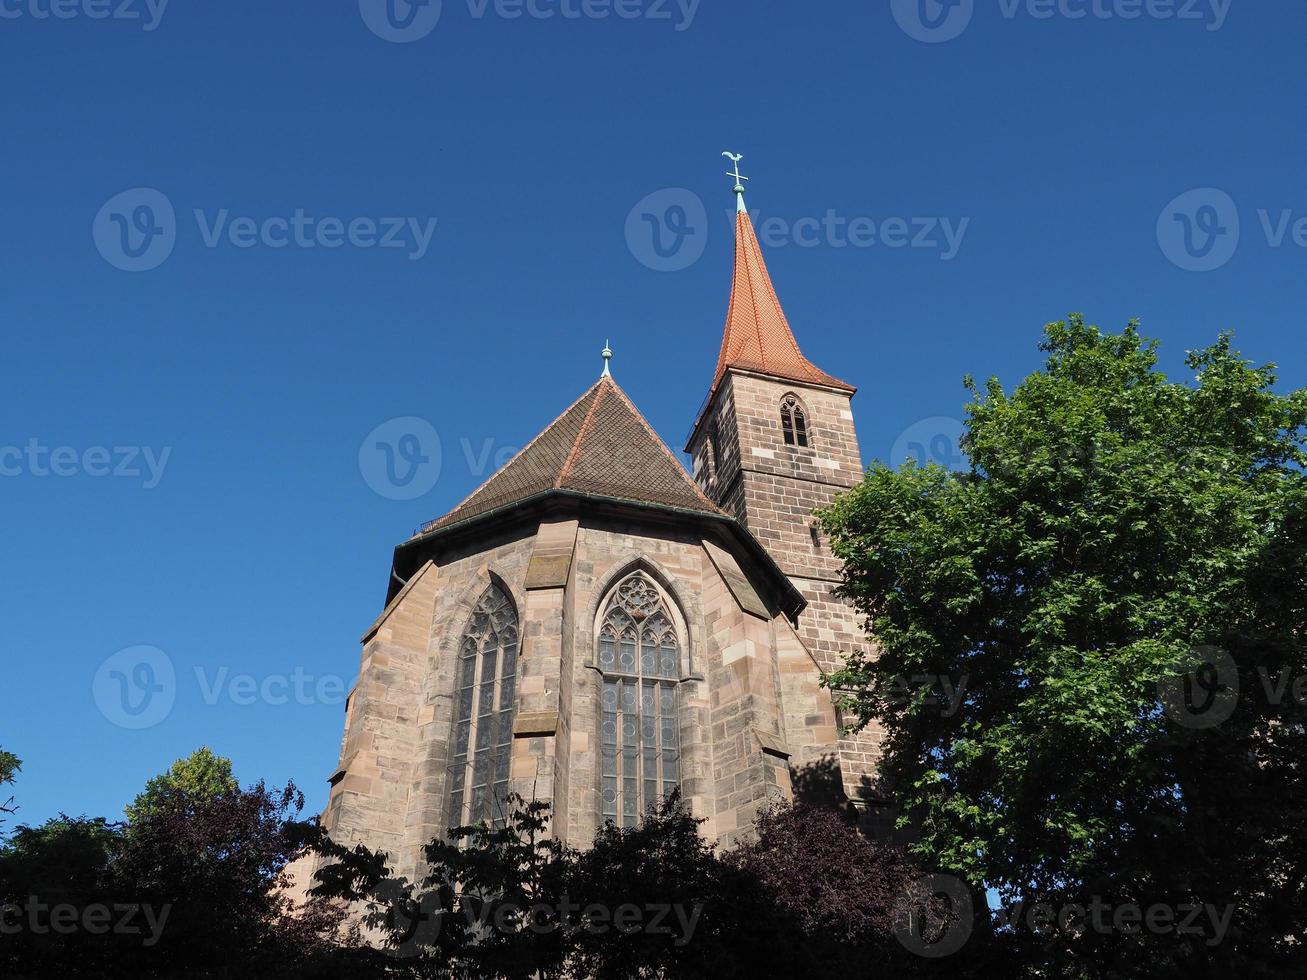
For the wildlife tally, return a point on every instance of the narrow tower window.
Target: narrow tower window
(709, 462)
(794, 423)
(640, 659)
(483, 713)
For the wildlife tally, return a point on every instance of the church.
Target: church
(597, 626)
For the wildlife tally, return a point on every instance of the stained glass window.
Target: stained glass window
(639, 657)
(483, 713)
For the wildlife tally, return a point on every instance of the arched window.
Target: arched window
(483, 712)
(640, 660)
(794, 423)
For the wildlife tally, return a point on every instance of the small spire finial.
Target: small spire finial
(607, 355)
(735, 158)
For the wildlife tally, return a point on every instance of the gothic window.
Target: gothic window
(640, 660)
(794, 422)
(483, 712)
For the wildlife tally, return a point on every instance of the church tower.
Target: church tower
(773, 442)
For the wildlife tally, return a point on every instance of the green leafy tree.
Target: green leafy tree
(200, 776)
(1123, 564)
(9, 766)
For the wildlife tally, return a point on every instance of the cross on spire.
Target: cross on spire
(735, 158)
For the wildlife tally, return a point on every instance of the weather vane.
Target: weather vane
(735, 158)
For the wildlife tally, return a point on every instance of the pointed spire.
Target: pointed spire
(758, 336)
(607, 355)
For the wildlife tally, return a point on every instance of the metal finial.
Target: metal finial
(735, 158)
(607, 355)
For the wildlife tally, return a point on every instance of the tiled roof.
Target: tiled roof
(758, 337)
(601, 446)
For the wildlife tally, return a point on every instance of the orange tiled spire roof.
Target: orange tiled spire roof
(758, 336)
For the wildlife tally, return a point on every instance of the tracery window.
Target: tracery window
(483, 712)
(640, 659)
(794, 422)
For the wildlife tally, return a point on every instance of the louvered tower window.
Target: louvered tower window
(794, 423)
(640, 659)
(483, 713)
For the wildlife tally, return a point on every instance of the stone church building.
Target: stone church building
(595, 625)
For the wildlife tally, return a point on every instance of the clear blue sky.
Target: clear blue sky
(263, 548)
